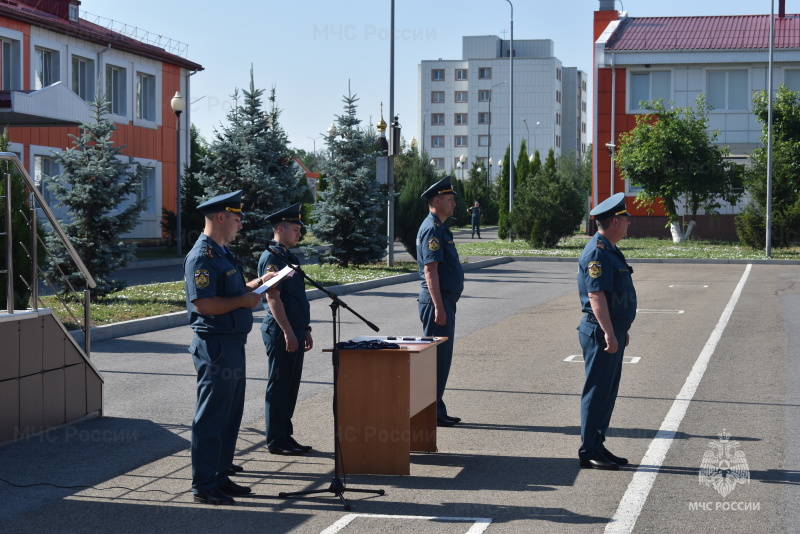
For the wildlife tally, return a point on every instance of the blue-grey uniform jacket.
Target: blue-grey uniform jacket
(435, 244)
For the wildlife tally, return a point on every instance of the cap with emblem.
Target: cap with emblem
(613, 205)
(442, 187)
(290, 214)
(228, 202)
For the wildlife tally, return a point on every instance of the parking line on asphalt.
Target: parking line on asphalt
(635, 496)
(688, 285)
(480, 524)
(667, 312)
(578, 358)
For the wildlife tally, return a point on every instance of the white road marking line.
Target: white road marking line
(578, 358)
(480, 523)
(635, 496)
(645, 310)
(688, 285)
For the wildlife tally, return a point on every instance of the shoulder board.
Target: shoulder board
(600, 245)
(209, 253)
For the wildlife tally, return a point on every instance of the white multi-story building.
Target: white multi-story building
(464, 104)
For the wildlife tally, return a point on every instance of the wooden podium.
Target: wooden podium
(386, 407)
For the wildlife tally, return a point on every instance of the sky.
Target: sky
(312, 50)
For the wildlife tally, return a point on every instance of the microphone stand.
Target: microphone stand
(336, 487)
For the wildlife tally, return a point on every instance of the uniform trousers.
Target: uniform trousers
(444, 351)
(220, 365)
(603, 372)
(283, 385)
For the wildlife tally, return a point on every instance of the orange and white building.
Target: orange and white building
(53, 61)
(724, 58)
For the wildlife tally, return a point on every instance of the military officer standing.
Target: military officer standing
(286, 333)
(477, 214)
(608, 300)
(442, 284)
(219, 304)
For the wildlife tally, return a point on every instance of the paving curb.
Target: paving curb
(171, 320)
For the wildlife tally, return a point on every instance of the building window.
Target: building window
(558, 141)
(728, 89)
(437, 119)
(44, 170)
(437, 75)
(583, 127)
(83, 77)
(438, 163)
(115, 90)
(461, 140)
(484, 118)
(461, 119)
(10, 68)
(558, 118)
(461, 96)
(73, 12)
(792, 79)
(647, 86)
(437, 141)
(145, 97)
(437, 97)
(484, 140)
(558, 96)
(46, 68)
(461, 74)
(558, 74)
(484, 95)
(485, 73)
(147, 190)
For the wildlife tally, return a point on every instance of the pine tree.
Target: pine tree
(251, 154)
(349, 213)
(97, 187)
(501, 190)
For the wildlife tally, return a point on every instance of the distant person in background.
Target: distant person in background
(608, 301)
(442, 284)
(286, 332)
(220, 306)
(477, 213)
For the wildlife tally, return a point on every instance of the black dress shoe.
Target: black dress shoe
(235, 470)
(282, 446)
(445, 422)
(213, 496)
(452, 418)
(293, 443)
(598, 461)
(614, 458)
(232, 488)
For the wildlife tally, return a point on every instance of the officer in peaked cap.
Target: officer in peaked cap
(442, 187)
(292, 214)
(286, 332)
(219, 304)
(229, 202)
(442, 284)
(608, 301)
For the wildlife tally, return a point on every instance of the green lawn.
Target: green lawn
(633, 248)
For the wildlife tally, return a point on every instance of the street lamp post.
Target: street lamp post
(489, 132)
(490, 162)
(178, 105)
(511, 113)
(314, 140)
(527, 134)
(463, 161)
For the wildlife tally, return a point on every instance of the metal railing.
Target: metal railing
(36, 201)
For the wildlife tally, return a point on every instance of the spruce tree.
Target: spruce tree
(97, 188)
(501, 190)
(349, 213)
(251, 154)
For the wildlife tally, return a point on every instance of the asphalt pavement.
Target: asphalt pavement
(713, 367)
